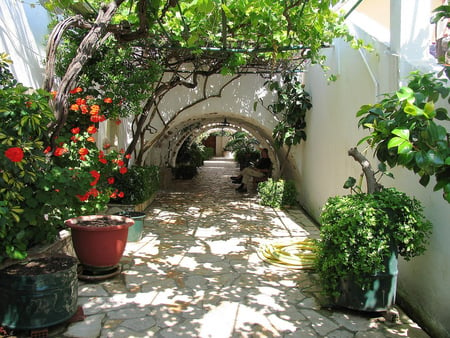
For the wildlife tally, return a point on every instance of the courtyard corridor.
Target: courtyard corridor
(196, 273)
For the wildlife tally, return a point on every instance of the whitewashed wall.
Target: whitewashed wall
(323, 166)
(23, 28)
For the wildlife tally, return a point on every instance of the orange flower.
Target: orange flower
(53, 92)
(107, 100)
(92, 130)
(90, 139)
(74, 107)
(83, 151)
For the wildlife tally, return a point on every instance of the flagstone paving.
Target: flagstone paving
(196, 273)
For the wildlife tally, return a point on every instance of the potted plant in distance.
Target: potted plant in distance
(242, 145)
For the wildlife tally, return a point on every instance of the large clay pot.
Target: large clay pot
(99, 240)
(39, 292)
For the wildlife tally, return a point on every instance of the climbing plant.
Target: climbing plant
(121, 38)
(290, 107)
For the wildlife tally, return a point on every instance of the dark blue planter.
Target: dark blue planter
(380, 296)
(42, 299)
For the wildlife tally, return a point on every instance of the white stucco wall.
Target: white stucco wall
(324, 166)
(23, 27)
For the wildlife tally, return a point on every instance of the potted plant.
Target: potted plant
(242, 145)
(361, 236)
(35, 198)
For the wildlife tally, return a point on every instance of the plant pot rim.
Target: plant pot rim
(73, 223)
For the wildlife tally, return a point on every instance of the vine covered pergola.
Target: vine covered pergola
(139, 50)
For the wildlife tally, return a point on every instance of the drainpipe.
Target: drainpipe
(371, 73)
(352, 9)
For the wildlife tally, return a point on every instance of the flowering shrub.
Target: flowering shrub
(78, 151)
(40, 187)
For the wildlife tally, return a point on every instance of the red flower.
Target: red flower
(106, 146)
(118, 122)
(103, 160)
(95, 118)
(74, 139)
(128, 156)
(47, 150)
(84, 109)
(75, 130)
(96, 175)
(102, 118)
(121, 194)
(123, 170)
(60, 151)
(76, 90)
(14, 154)
(80, 101)
(83, 198)
(92, 130)
(120, 163)
(107, 100)
(110, 180)
(28, 104)
(83, 151)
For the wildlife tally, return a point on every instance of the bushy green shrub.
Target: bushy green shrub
(358, 231)
(277, 193)
(138, 184)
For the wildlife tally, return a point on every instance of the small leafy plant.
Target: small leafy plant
(138, 184)
(277, 193)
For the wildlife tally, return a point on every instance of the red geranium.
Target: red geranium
(60, 151)
(75, 130)
(14, 154)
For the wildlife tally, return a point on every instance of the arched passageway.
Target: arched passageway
(196, 273)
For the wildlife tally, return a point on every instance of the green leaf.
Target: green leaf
(413, 110)
(349, 183)
(406, 94)
(402, 133)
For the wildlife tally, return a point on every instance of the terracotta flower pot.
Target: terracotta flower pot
(99, 240)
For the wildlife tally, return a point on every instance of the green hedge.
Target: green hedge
(277, 193)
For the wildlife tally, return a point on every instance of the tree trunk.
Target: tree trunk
(372, 184)
(87, 48)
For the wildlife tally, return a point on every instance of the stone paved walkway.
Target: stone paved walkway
(196, 273)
